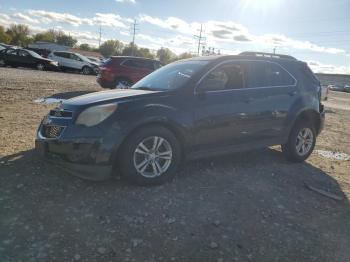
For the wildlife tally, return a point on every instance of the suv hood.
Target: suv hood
(105, 96)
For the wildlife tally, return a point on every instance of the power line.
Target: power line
(100, 36)
(134, 29)
(200, 38)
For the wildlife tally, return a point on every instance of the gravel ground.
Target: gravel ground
(250, 206)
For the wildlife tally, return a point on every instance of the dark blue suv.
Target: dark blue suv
(188, 109)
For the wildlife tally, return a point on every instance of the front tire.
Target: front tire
(301, 142)
(86, 70)
(2, 62)
(151, 156)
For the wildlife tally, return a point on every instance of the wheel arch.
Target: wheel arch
(309, 115)
(119, 78)
(173, 128)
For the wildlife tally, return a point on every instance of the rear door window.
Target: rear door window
(12, 52)
(61, 54)
(144, 64)
(265, 74)
(23, 53)
(157, 65)
(130, 63)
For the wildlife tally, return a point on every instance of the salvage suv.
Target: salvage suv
(189, 109)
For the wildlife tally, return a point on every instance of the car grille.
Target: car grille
(61, 113)
(52, 131)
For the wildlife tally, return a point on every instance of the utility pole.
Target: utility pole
(200, 38)
(100, 36)
(274, 50)
(134, 29)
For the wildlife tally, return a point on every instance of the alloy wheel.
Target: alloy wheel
(122, 85)
(153, 156)
(86, 71)
(304, 141)
(40, 67)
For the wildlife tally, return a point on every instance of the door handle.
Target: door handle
(248, 100)
(292, 93)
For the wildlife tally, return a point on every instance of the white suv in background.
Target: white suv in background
(74, 61)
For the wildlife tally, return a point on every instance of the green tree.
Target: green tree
(111, 47)
(165, 56)
(64, 39)
(144, 52)
(185, 56)
(20, 34)
(4, 37)
(131, 50)
(128, 50)
(47, 36)
(85, 47)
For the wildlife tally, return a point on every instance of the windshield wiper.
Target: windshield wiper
(144, 88)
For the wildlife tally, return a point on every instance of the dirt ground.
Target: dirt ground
(251, 206)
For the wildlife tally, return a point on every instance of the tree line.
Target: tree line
(20, 35)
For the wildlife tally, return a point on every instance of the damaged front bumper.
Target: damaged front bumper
(79, 158)
(84, 152)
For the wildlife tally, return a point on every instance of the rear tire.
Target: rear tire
(122, 83)
(301, 142)
(151, 156)
(40, 67)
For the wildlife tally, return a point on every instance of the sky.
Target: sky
(315, 31)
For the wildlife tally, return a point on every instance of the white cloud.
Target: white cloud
(319, 67)
(283, 41)
(231, 32)
(54, 17)
(47, 17)
(126, 1)
(25, 18)
(109, 19)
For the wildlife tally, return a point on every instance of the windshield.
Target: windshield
(32, 53)
(170, 77)
(83, 58)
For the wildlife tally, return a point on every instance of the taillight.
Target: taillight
(106, 69)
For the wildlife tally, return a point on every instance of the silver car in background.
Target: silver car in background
(74, 61)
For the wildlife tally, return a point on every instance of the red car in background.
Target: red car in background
(124, 71)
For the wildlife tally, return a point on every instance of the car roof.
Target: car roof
(245, 56)
(135, 58)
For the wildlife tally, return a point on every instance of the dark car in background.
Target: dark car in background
(186, 110)
(123, 71)
(18, 57)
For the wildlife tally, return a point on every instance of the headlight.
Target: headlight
(95, 114)
(54, 63)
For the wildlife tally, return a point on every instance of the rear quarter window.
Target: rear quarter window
(138, 63)
(266, 74)
(308, 74)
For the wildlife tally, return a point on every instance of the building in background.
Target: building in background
(45, 48)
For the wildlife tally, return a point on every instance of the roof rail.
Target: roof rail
(271, 55)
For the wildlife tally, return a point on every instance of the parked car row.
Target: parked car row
(345, 88)
(20, 57)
